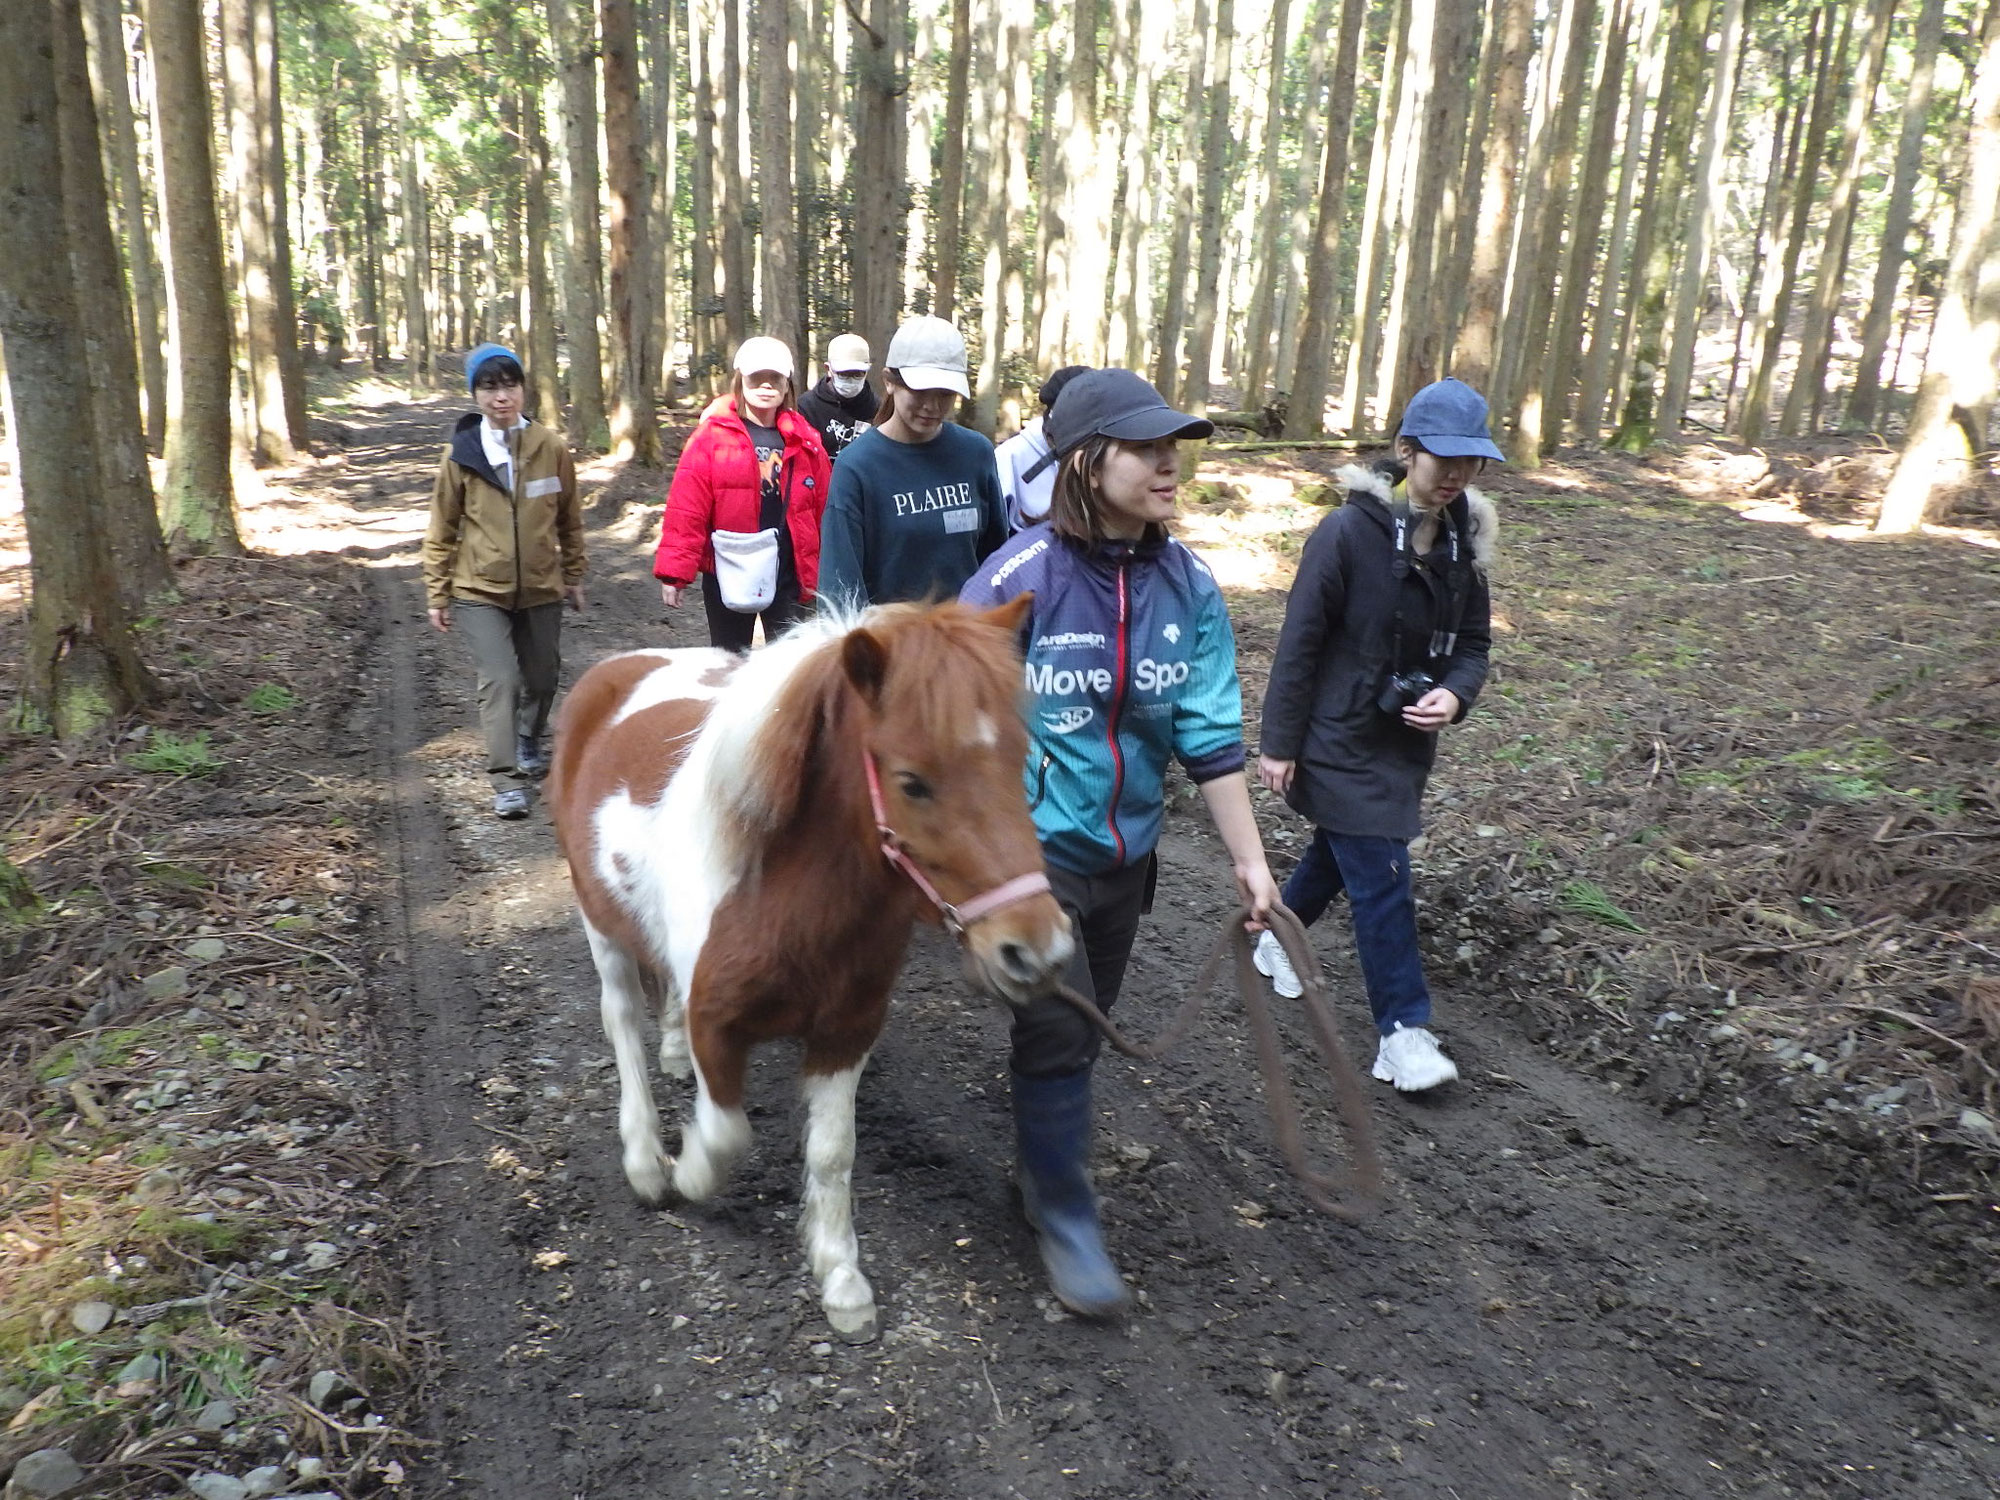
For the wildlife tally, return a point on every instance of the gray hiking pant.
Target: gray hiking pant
(519, 656)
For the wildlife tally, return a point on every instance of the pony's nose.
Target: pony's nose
(1021, 963)
(1030, 965)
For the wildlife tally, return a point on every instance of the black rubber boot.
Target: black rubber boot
(1052, 1120)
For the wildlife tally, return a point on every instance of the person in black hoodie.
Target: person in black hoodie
(841, 406)
(1385, 642)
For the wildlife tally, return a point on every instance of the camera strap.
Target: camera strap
(1444, 639)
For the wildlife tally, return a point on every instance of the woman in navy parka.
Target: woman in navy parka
(1130, 663)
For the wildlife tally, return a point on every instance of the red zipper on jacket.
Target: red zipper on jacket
(1117, 708)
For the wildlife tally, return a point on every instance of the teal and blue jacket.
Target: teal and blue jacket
(1130, 663)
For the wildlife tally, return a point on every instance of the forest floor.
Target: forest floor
(1712, 908)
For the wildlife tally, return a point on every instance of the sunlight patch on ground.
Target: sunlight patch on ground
(1253, 543)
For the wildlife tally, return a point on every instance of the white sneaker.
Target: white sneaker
(1411, 1059)
(1269, 957)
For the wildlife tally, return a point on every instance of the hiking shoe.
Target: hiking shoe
(1411, 1059)
(513, 803)
(1269, 957)
(530, 759)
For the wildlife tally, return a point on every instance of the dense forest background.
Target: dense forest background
(1620, 219)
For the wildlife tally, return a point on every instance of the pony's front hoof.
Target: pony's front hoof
(651, 1176)
(854, 1325)
(849, 1304)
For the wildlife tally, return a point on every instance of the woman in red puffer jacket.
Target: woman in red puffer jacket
(745, 504)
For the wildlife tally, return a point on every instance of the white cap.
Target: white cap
(928, 354)
(847, 353)
(764, 353)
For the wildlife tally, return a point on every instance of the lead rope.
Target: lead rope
(1359, 1179)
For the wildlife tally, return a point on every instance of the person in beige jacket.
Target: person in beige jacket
(504, 552)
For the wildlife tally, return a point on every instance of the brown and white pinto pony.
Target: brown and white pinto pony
(716, 814)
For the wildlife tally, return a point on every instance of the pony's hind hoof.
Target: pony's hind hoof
(854, 1325)
(651, 1178)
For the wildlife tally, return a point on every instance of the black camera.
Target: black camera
(1403, 690)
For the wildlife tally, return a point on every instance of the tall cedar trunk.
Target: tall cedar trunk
(1215, 185)
(1566, 328)
(373, 314)
(125, 505)
(1021, 59)
(1187, 178)
(1606, 337)
(82, 664)
(1955, 398)
(1653, 268)
(543, 378)
(1704, 206)
(635, 430)
(1751, 418)
(732, 184)
(878, 173)
(1090, 191)
(198, 504)
(951, 168)
(270, 435)
(114, 111)
(780, 284)
(704, 296)
(1364, 320)
(1132, 278)
(1306, 416)
(657, 69)
(1787, 124)
(1472, 357)
(420, 367)
(1264, 292)
(1298, 238)
(1053, 287)
(572, 28)
(1803, 401)
(810, 222)
(1412, 355)
(996, 110)
(1861, 405)
(276, 179)
(922, 108)
(1455, 255)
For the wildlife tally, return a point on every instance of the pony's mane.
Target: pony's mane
(946, 667)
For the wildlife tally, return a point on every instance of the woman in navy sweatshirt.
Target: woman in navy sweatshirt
(916, 504)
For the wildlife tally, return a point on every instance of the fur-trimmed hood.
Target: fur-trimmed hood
(1482, 518)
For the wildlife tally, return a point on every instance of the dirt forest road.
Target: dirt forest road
(1568, 1294)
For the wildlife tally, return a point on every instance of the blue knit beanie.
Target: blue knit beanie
(485, 354)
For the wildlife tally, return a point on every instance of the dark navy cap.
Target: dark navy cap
(1115, 404)
(1448, 417)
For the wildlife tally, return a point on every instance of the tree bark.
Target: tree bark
(1955, 398)
(1652, 256)
(1473, 354)
(1215, 185)
(1803, 400)
(1264, 292)
(1298, 240)
(1090, 191)
(878, 173)
(419, 357)
(276, 178)
(1861, 406)
(198, 504)
(732, 182)
(104, 325)
(571, 26)
(996, 37)
(774, 181)
(270, 435)
(704, 296)
(543, 376)
(1378, 213)
(111, 56)
(1771, 319)
(82, 666)
(635, 430)
(1305, 417)
(951, 172)
(1187, 177)
(1703, 208)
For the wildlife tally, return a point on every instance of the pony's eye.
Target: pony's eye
(913, 786)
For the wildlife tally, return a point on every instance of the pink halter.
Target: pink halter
(956, 918)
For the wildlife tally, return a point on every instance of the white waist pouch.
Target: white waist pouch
(746, 568)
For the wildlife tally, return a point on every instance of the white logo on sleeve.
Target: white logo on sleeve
(1172, 632)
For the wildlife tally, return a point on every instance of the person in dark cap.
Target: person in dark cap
(503, 553)
(1385, 643)
(1130, 664)
(1027, 464)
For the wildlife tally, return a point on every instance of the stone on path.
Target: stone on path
(91, 1317)
(47, 1471)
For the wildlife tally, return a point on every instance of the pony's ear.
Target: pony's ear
(866, 661)
(1009, 616)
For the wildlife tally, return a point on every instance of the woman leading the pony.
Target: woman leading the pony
(746, 502)
(1130, 663)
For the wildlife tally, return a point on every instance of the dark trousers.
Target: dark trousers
(1375, 875)
(732, 631)
(1050, 1038)
(519, 656)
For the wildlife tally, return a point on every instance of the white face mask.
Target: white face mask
(849, 385)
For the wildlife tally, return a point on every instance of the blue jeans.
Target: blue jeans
(1375, 874)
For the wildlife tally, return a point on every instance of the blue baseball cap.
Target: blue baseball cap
(483, 355)
(1115, 404)
(1448, 417)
